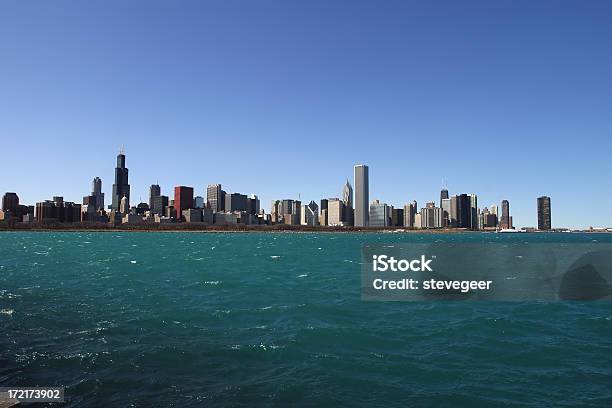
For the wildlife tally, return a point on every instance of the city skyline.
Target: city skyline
(221, 208)
(232, 93)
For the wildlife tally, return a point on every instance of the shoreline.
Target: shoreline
(221, 229)
(242, 229)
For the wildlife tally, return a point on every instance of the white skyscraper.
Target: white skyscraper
(362, 195)
(347, 194)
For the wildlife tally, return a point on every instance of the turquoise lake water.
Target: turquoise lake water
(276, 319)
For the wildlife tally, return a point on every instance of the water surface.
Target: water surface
(242, 319)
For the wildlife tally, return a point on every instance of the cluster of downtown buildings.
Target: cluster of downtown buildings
(352, 209)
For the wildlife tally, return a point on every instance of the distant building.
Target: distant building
(417, 221)
(222, 218)
(253, 205)
(288, 212)
(505, 222)
(347, 194)
(323, 204)
(124, 205)
(488, 219)
(295, 217)
(323, 218)
(58, 210)
(10, 204)
(287, 206)
(96, 192)
(121, 188)
(276, 212)
(93, 204)
(207, 216)
(236, 202)
(409, 214)
(154, 191)
(443, 196)
(159, 204)
(142, 208)
(446, 211)
(310, 214)
(215, 197)
(544, 218)
(192, 215)
(335, 212)
(362, 195)
(183, 199)
(198, 202)
(380, 214)
(474, 212)
(431, 216)
(397, 217)
(130, 218)
(461, 211)
(170, 211)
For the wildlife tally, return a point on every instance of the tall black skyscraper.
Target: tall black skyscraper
(121, 188)
(443, 195)
(544, 222)
(96, 192)
(505, 215)
(463, 210)
(154, 191)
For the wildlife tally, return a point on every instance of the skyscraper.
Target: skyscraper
(493, 209)
(183, 199)
(335, 212)
(96, 192)
(154, 191)
(544, 219)
(347, 194)
(160, 203)
(323, 204)
(10, 203)
(362, 196)
(461, 211)
(236, 202)
(504, 222)
(215, 197)
(348, 218)
(474, 212)
(198, 202)
(380, 214)
(253, 204)
(410, 212)
(310, 214)
(93, 203)
(443, 195)
(121, 188)
(431, 216)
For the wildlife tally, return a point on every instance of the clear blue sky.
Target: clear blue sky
(506, 99)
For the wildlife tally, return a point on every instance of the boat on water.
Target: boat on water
(509, 230)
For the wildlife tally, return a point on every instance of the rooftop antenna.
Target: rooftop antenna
(122, 150)
(444, 184)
